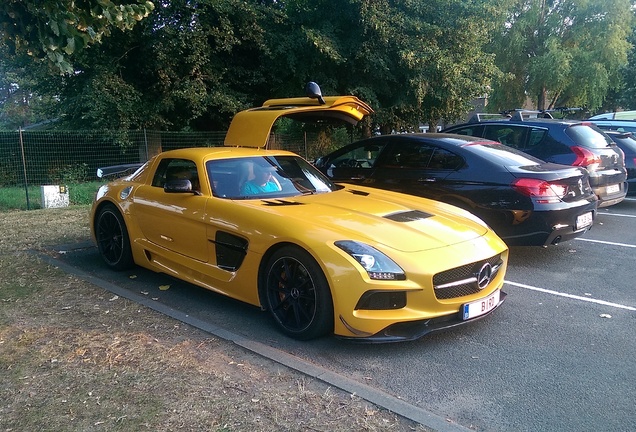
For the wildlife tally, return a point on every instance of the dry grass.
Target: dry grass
(74, 357)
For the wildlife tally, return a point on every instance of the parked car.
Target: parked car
(626, 141)
(358, 262)
(616, 125)
(616, 115)
(569, 142)
(526, 201)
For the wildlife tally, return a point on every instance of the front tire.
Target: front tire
(112, 238)
(297, 294)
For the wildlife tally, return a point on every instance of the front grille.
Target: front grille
(463, 281)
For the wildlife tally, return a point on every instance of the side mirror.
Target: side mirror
(312, 90)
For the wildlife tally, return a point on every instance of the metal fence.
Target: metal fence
(30, 159)
(51, 157)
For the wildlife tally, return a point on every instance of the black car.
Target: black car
(525, 200)
(568, 142)
(626, 141)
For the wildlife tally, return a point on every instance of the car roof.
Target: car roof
(616, 115)
(541, 122)
(614, 122)
(251, 127)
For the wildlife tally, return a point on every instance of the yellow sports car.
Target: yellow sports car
(266, 227)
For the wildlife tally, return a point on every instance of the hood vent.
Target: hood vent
(280, 202)
(408, 216)
(357, 192)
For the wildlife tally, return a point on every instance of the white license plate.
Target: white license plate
(584, 220)
(480, 307)
(613, 189)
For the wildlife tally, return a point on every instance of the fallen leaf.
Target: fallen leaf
(164, 287)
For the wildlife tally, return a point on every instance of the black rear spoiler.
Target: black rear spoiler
(117, 169)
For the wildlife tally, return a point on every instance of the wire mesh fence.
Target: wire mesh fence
(32, 159)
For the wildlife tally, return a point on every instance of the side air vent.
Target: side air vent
(408, 216)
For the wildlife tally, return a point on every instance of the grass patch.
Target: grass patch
(15, 198)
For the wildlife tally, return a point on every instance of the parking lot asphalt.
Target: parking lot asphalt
(558, 355)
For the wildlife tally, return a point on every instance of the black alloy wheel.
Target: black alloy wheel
(297, 294)
(113, 242)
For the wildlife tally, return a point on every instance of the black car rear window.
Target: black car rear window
(503, 155)
(627, 143)
(588, 136)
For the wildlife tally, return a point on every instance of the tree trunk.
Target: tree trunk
(541, 99)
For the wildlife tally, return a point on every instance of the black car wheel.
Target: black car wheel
(297, 294)
(113, 242)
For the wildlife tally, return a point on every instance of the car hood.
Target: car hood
(401, 222)
(251, 128)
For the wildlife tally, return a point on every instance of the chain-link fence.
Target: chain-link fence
(31, 159)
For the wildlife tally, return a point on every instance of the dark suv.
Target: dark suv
(569, 142)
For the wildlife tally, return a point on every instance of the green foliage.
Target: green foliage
(412, 61)
(625, 96)
(191, 65)
(549, 49)
(54, 30)
(65, 174)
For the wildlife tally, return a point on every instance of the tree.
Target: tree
(626, 95)
(550, 48)
(413, 62)
(53, 30)
(189, 65)
(23, 98)
(192, 64)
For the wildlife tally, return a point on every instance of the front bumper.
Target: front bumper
(412, 330)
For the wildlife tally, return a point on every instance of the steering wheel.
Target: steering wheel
(351, 163)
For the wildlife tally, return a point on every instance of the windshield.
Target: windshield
(266, 177)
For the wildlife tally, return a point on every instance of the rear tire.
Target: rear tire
(297, 294)
(112, 238)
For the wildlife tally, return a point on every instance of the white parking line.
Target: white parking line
(617, 214)
(606, 242)
(572, 296)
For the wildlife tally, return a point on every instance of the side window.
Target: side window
(445, 160)
(510, 135)
(475, 131)
(407, 155)
(176, 169)
(536, 137)
(359, 157)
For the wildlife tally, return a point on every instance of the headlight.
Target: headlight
(377, 265)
